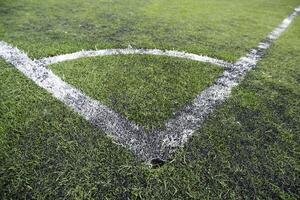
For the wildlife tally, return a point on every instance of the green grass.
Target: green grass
(47, 151)
(146, 89)
(218, 28)
(247, 149)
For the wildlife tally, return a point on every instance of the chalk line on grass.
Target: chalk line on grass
(191, 117)
(123, 131)
(158, 144)
(157, 52)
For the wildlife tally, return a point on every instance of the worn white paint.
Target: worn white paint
(159, 144)
(157, 52)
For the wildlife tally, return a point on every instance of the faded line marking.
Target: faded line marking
(157, 52)
(157, 144)
(123, 131)
(191, 117)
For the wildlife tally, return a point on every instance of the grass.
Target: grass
(146, 89)
(218, 28)
(247, 149)
(46, 150)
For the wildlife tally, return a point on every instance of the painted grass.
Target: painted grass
(218, 28)
(146, 89)
(46, 151)
(249, 148)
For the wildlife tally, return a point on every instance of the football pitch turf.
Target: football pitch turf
(247, 148)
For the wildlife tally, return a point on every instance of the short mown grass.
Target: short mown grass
(145, 89)
(218, 28)
(247, 149)
(47, 151)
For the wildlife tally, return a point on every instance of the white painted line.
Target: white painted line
(147, 146)
(282, 27)
(191, 117)
(157, 52)
(123, 131)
